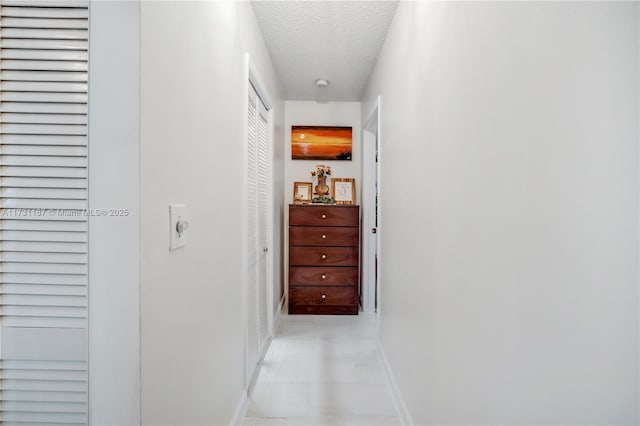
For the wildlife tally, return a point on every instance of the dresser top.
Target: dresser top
(323, 205)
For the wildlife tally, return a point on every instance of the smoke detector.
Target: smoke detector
(322, 82)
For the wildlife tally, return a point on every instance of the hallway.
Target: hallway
(323, 370)
(468, 170)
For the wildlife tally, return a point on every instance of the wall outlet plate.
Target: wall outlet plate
(177, 214)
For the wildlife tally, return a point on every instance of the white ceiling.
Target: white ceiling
(335, 40)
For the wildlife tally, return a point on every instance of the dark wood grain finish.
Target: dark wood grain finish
(325, 296)
(323, 236)
(323, 275)
(319, 256)
(310, 215)
(324, 310)
(324, 271)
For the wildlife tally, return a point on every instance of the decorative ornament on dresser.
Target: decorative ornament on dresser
(321, 172)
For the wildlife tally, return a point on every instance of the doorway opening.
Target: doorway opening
(371, 211)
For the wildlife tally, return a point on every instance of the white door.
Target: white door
(258, 232)
(252, 236)
(43, 232)
(264, 178)
(370, 214)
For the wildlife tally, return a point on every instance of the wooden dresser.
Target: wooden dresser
(324, 259)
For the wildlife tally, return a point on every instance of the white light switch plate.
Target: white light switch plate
(177, 212)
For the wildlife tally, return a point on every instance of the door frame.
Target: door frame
(371, 132)
(252, 78)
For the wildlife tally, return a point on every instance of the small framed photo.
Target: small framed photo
(302, 192)
(344, 190)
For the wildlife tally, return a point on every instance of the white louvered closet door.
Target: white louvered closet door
(252, 234)
(43, 226)
(263, 177)
(258, 171)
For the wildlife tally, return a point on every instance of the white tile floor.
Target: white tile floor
(323, 370)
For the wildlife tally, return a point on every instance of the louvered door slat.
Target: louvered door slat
(61, 279)
(45, 55)
(46, 193)
(44, 129)
(65, 140)
(50, 172)
(48, 407)
(45, 34)
(13, 395)
(43, 197)
(44, 300)
(43, 247)
(43, 12)
(55, 151)
(42, 385)
(39, 108)
(48, 236)
(29, 182)
(48, 206)
(70, 98)
(29, 224)
(50, 289)
(44, 76)
(43, 365)
(43, 268)
(48, 418)
(43, 44)
(41, 257)
(33, 65)
(14, 118)
(82, 4)
(22, 321)
(43, 86)
(46, 9)
(11, 22)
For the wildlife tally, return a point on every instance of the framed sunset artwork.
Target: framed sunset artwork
(321, 143)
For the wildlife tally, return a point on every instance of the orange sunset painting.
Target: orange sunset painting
(320, 143)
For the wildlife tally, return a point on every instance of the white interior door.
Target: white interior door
(252, 235)
(258, 228)
(43, 232)
(264, 178)
(370, 214)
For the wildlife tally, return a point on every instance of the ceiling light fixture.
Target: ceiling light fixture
(322, 82)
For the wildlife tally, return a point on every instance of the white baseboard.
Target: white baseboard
(240, 411)
(405, 415)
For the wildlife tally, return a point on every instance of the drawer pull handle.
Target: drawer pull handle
(324, 256)
(324, 236)
(324, 277)
(324, 296)
(324, 216)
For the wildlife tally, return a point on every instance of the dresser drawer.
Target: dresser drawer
(323, 216)
(321, 256)
(323, 275)
(323, 236)
(326, 296)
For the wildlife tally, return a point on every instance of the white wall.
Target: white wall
(114, 286)
(193, 109)
(509, 211)
(311, 113)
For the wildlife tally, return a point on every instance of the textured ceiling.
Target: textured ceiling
(335, 40)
